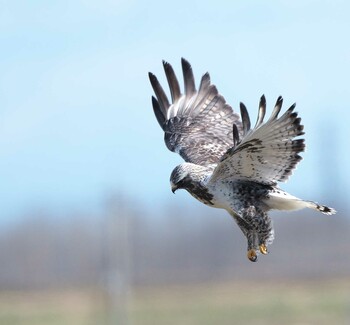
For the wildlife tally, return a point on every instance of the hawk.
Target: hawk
(228, 163)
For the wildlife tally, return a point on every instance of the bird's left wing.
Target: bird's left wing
(198, 123)
(266, 154)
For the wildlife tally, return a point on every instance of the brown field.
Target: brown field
(299, 302)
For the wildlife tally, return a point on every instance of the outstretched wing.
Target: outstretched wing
(197, 124)
(269, 152)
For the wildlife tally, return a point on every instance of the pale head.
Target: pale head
(186, 174)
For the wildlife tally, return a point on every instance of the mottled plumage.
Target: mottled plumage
(228, 164)
(198, 124)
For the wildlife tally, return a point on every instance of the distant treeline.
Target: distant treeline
(124, 246)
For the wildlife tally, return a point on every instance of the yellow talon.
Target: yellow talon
(263, 249)
(252, 255)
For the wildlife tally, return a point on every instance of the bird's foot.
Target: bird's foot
(252, 255)
(263, 249)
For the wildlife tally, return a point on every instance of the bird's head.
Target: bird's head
(187, 175)
(179, 177)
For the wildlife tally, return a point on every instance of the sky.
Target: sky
(76, 121)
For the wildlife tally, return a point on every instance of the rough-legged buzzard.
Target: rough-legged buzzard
(229, 164)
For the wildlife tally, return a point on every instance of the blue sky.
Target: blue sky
(75, 113)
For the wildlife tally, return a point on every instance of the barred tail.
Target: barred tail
(281, 200)
(315, 206)
(322, 208)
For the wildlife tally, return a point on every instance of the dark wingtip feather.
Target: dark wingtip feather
(151, 77)
(298, 126)
(160, 94)
(206, 77)
(190, 87)
(205, 83)
(277, 108)
(261, 112)
(154, 82)
(235, 135)
(245, 118)
(185, 62)
(172, 81)
(158, 112)
(298, 145)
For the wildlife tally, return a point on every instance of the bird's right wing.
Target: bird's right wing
(198, 123)
(266, 154)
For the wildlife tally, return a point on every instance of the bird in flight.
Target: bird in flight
(228, 163)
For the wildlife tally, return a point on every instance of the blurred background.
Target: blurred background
(90, 232)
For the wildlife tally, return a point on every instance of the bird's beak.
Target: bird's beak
(173, 188)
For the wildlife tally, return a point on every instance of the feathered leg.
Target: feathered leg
(248, 232)
(261, 232)
(249, 214)
(257, 227)
(243, 221)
